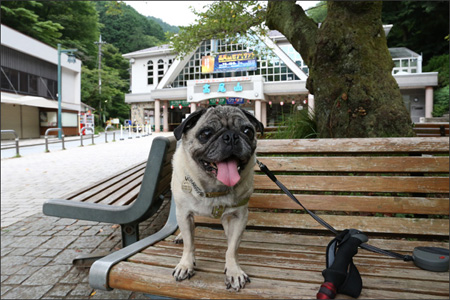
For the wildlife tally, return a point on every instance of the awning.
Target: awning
(29, 101)
(38, 102)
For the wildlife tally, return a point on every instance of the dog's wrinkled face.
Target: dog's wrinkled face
(221, 140)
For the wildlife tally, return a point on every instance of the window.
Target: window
(23, 82)
(265, 65)
(149, 72)
(33, 85)
(160, 70)
(69, 119)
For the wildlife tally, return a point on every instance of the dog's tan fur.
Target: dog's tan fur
(190, 203)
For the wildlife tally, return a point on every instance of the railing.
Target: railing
(16, 139)
(46, 137)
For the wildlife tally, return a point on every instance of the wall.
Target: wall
(13, 115)
(139, 73)
(10, 116)
(415, 108)
(30, 122)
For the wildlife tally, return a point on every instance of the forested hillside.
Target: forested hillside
(78, 24)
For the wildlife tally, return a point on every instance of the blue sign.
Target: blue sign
(232, 100)
(235, 62)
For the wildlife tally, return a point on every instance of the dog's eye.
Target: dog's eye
(205, 134)
(248, 131)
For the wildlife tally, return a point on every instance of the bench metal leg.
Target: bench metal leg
(86, 260)
(130, 234)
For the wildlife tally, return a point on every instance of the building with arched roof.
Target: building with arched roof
(164, 89)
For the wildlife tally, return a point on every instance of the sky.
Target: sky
(177, 12)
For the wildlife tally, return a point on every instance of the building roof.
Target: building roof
(402, 52)
(149, 51)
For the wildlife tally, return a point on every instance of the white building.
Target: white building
(164, 89)
(29, 87)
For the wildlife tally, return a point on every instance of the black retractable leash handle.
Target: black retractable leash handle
(341, 275)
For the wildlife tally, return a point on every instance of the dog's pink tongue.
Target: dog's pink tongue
(227, 172)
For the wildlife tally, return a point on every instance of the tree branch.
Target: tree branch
(291, 20)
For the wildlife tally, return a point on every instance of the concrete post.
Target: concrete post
(157, 115)
(193, 107)
(264, 113)
(258, 110)
(428, 101)
(166, 116)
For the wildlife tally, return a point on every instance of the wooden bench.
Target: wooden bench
(431, 129)
(396, 190)
(126, 198)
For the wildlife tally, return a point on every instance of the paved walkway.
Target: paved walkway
(37, 250)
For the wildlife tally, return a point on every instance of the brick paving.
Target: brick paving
(37, 250)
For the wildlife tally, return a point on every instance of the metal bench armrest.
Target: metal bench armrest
(98, 274)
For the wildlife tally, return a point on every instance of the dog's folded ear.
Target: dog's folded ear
(188, 123)
(258, 125)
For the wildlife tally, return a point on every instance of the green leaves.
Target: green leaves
(232, 20)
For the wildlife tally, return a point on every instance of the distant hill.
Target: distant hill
(166, 27)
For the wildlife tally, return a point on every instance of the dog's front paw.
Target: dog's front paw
(235, 278)
(183, 271)
(178, 239)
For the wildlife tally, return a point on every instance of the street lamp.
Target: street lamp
(71, 59)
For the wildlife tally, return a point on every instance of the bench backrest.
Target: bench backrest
(431, 129)
(383, 185)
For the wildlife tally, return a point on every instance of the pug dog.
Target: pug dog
(213, 177)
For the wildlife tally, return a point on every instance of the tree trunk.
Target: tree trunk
(349, 69)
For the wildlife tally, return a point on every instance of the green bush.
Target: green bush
(441, 101)
(300, 124)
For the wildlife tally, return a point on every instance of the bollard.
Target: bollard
(46, 144)
(129, 132)
(46, 137)
(114, 136)
(121, 132)
(106, 132)
(81, 140)
(17, 147)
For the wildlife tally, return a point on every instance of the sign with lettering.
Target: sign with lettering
(229, 62)
(227, 100)
(183, 103)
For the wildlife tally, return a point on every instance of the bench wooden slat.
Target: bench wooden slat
(364, 145)
(348, 203)
(112, 192)
(356, 183)
(122, 191)
(96, 193)
(139, 277)
(268, 268)
(356, 164)
(298, 275)
(274, 255)
(264, 237)
(92, 189)
(382, 225)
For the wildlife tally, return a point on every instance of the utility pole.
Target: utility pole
(99, 44)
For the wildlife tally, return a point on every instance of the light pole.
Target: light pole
(71, 59)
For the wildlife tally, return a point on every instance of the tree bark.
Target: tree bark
(349, 68)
